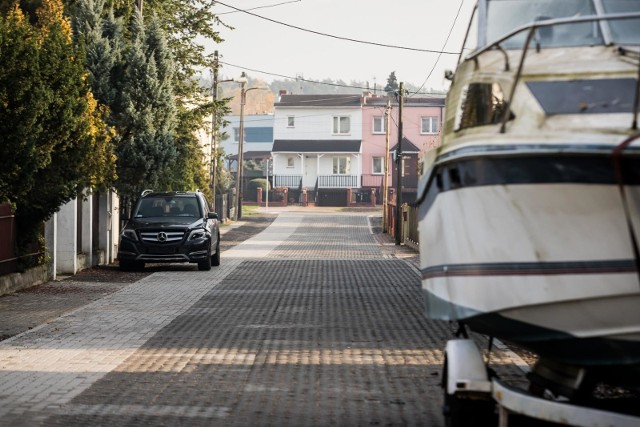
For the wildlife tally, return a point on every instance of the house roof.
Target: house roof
(408, 101)
(319, 101)
(316, 146)
(407, 146)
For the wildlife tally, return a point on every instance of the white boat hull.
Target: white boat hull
(547, 265)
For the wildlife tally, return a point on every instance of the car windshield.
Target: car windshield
(168, 206)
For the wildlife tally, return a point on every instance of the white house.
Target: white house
(317, 141)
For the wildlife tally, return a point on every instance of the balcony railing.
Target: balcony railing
(338, 181)
(289, 181)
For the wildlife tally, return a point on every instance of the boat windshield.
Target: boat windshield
(503, 16)
(624, 32)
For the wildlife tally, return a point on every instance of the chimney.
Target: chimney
(281, 93)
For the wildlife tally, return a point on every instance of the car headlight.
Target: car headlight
(197, 234)
(129, 234)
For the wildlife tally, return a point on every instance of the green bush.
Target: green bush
(259, 182)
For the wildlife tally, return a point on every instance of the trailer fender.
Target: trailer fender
(466, 371)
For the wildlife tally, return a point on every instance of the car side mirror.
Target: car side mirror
(212, 215)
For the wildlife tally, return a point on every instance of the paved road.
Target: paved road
(314, 321)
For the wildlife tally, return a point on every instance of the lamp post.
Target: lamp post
(243, 99)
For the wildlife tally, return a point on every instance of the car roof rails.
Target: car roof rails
(145, 192)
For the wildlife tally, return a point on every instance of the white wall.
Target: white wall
(315, 123)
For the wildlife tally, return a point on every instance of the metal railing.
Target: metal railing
(289, 181)
(338, 181)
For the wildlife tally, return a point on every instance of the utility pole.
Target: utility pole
(214, 130)
(385, 185)
(399, 169)
(243, 98)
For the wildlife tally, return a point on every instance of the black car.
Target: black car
(170, 227)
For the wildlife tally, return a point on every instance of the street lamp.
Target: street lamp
(243, 99)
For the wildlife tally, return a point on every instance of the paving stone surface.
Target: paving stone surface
(314, 321)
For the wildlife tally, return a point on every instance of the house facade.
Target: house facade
(338, 144)
(421, 124)
(317, 144)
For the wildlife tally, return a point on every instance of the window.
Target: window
(378, 165)
(341, 165)
(379, 125)
(429, 125)
(236, 134)
(482, 104)
(291, 121)
(290, 162)
(341, 125)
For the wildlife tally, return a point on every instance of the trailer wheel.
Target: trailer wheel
(462, 409)
(465, 411)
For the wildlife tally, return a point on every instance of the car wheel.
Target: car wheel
(205, 265)
(215, 259)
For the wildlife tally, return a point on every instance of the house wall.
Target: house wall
(411, 125)
(230, 144)
(315, 123)
(280, 164)
(325, 164)
(373, 145)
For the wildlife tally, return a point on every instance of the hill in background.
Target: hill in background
(260, 101)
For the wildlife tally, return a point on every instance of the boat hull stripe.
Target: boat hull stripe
(530, 268)
(508, 168)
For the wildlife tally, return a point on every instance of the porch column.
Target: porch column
(87, 229)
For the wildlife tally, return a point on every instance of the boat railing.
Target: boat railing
(532, 29)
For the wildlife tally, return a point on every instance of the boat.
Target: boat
(529, 211)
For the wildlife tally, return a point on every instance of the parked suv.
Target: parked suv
(170, 227)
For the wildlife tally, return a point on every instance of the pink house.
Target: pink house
(421, 122)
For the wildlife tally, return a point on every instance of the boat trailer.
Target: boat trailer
(468, 388)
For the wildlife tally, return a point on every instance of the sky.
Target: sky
(269, 50)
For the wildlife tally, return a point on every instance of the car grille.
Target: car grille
(162, 236)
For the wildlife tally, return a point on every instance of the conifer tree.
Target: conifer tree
(101, 38)
(23, 99)
(392, 84)
(144, 116)
(68, 146)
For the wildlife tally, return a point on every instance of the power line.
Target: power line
(314, 81)
(339, 37)
(261, 7)
(443, 46)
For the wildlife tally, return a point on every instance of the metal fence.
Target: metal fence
(408, 224)
(10, 262)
